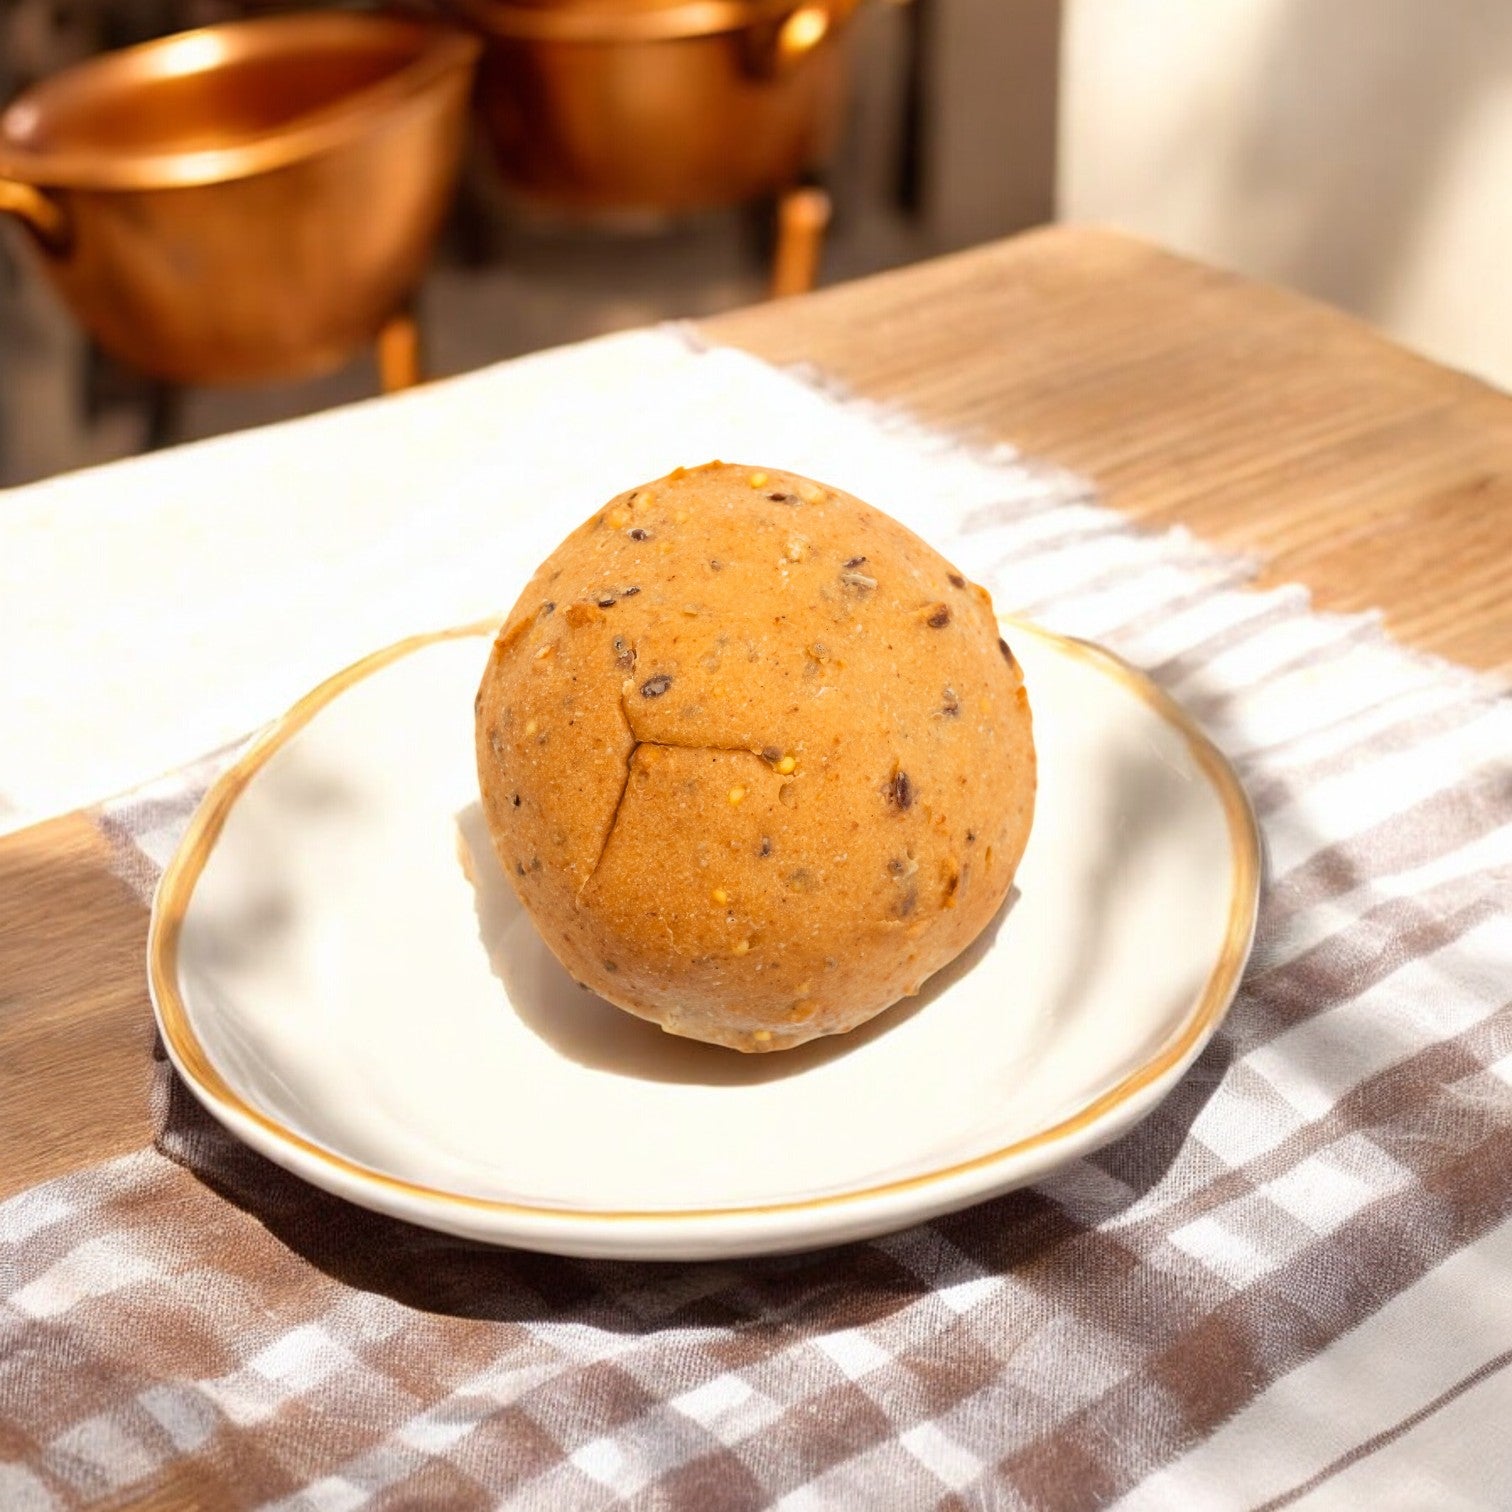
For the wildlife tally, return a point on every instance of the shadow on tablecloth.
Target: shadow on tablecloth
(847, 1286)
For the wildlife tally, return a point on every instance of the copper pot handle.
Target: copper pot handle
(42, 215)
(803, 29)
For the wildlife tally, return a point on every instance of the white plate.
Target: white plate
(336, 991)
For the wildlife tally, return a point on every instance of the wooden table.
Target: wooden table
(1259, 420)
(1256, 418)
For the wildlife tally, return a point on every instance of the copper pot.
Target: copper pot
(660, 104)
(247, 201)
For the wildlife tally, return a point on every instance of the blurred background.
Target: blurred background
(1357, 150)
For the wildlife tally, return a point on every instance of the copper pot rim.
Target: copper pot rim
(657, 21)
(442, 50)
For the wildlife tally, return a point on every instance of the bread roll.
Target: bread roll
(754, 756)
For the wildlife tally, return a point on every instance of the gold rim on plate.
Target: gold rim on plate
(176, 888)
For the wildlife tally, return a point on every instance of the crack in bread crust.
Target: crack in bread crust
(624, 789)
(619, 803)
(664, 745)
(614, 814)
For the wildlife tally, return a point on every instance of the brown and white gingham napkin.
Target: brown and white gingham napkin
(1290, 1286)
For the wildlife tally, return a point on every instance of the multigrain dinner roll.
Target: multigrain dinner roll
(754, 756)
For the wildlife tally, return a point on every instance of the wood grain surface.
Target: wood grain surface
(1257, 419)
(76, 1030)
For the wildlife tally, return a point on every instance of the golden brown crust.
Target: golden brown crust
(754, 756)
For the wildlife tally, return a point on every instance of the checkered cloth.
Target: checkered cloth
(1290, 1286)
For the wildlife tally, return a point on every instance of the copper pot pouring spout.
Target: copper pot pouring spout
(43, 217)
(248, 201)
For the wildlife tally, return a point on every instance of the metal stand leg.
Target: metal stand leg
(399, 353)
(803, 216)
(162, 415)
